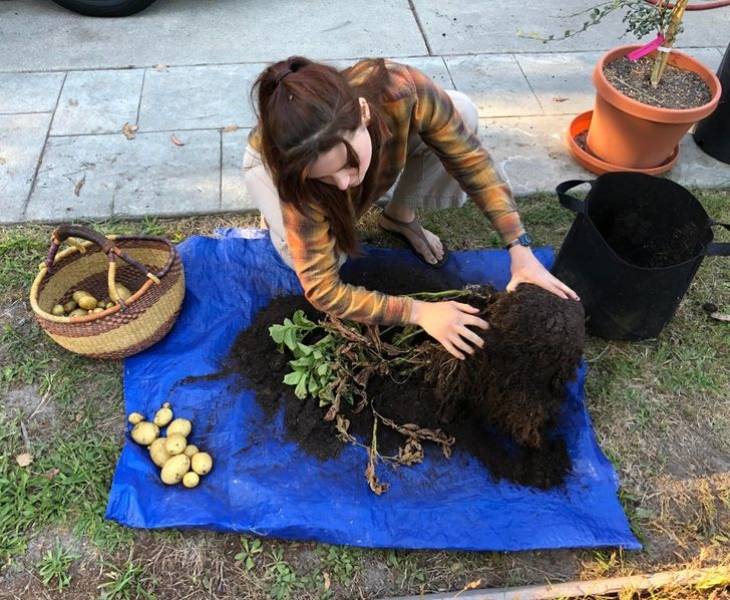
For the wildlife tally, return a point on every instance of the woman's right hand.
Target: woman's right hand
(447, 322)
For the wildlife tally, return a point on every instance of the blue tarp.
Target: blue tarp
(265, 485)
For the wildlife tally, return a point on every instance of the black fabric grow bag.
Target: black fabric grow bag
(632, 251)
(712, 134)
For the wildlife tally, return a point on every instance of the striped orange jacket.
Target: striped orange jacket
(413, 102)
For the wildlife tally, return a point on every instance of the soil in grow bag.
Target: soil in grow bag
(645, 235)
(502, 411)
(678, 88)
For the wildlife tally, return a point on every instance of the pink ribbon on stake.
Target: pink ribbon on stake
(646, 49)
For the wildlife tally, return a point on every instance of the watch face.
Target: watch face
(525, 239)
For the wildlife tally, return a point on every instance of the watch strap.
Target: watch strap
(523, 239)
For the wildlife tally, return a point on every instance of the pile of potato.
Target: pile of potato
(83, 303)
(178, 460)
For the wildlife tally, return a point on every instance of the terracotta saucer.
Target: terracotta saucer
(579, 128)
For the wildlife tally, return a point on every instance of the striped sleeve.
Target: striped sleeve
(312, 247)
(441, 127)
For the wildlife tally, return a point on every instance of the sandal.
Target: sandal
(415, 228)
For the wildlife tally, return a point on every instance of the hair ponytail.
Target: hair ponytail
(303, 107)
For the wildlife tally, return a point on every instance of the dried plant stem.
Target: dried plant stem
(411, 430)
(354, 353)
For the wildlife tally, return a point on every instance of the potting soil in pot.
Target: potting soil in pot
(678, 88)
(499, 405)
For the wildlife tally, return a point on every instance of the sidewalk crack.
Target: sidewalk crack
(43, 148)
(141, 92)
(448, 71)
(529, 84)
(420, 27)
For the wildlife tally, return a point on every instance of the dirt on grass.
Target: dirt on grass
(20, 580)
(37, 412)
(678, 88)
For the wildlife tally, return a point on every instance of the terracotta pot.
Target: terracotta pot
(632, 135)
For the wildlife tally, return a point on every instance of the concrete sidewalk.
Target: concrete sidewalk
(182, 71)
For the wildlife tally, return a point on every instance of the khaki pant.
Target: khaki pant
(422, 184)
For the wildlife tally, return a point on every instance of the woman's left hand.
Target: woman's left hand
(527, 269)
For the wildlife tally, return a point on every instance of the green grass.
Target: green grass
(21, 251)
(55, 565)
(128, 581)
(660, 409)
(67, 483)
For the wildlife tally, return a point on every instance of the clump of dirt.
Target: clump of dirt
(678, 88)
(499, 407)
(532, 349)
(543, 467)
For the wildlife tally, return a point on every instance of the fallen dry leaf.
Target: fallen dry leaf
(718, 316)
(79, 184)
(229, 128)
(51, 473)
(24, 459)
(411, 453)
(472, 585)
(160, 67)
(327, 581)
(175, 140)
(375, 485)
(129, 131)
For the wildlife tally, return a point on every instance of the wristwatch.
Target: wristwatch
(523, 240)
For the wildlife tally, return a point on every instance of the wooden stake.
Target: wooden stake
(703, 578)
(675, 21)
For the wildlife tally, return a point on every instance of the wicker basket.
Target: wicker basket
(153, 271)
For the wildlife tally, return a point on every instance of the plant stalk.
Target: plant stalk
(662, 58)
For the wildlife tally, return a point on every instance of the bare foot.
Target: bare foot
(426, 243)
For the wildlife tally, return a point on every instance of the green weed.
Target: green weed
(341, 562)
(250, 551)
(55, 564)
(127, 582)
(281, 577)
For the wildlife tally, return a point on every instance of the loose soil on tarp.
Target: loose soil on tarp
(486, 413)
(389, 278)
(678, 88)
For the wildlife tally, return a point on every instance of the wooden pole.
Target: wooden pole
(675, 21)
(704, 578)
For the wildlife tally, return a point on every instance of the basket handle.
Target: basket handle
(108, 247)
(718, 248)
(568, 201)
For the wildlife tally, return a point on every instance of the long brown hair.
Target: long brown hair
(303, 108)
